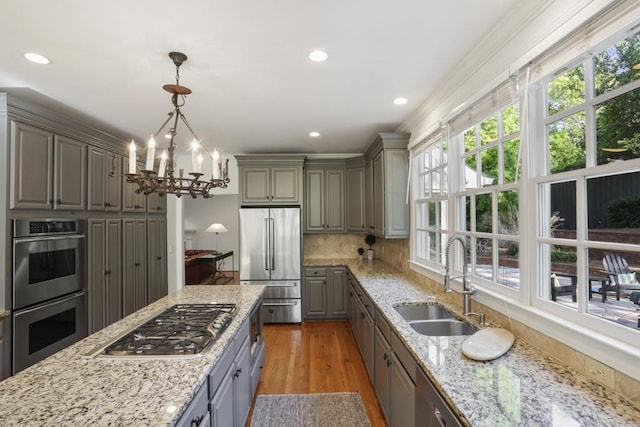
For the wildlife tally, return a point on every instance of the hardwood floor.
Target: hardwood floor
(316, 357)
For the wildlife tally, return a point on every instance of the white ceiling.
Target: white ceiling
(254, 88)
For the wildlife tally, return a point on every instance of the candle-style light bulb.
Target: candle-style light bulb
(199, 168)
(163, 164)
(151, 153)
(195, 145)
(216, 164)
(132, 157)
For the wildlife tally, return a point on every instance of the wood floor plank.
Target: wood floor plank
(316, 357)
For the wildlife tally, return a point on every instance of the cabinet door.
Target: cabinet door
(338, 301)
(314, 196)
(157, 259)
(128, 196)
(378, 195)
(255, 185)
(403, 395)
(113, 264)
(242, 384)
(96, 244)
(285, 186)
(316, 297)
(395, 208)
(334, 200)
(367, 340)
(381, 363)
(31, 165)
(129, 266)
(5, 348)
(369, 214)
(113, 182)
(97, 179)
(221, 406)
(355, 199)
(69, 174)
(141, 264)
(156, 203)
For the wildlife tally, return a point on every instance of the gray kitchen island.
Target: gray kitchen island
(73, 388)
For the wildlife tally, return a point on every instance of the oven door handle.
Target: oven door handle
(47, 238)
(53, 302)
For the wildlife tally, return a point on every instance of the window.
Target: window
(430, 207)
(489, 190)
(546, 189)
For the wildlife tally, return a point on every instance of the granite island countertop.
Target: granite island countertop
(70, 388)
(523, 387)
(4, 313)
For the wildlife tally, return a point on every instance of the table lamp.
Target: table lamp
(216, 228)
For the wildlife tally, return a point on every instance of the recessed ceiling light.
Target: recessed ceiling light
(314, 134)
(37, 58)
(400, 101)
(318, 56)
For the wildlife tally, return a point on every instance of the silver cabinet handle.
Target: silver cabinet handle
(279, 304)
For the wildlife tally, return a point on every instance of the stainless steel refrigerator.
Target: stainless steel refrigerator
(270, 255)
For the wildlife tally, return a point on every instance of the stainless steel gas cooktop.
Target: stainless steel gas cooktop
(184, 330)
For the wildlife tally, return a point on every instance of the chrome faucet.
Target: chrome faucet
(467, 289)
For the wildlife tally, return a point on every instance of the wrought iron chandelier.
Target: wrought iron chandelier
(163, 180)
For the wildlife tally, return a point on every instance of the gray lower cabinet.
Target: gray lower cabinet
(134, 256)
(365, 335)
(382, 361)
(225, 398)
(104, 285)
(157, 286)
(5, 347)
(230, 383)
(430, 408)
(326, 293)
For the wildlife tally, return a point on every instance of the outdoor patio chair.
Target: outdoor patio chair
(620, 275)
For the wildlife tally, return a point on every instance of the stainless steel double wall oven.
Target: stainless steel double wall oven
(49, 293)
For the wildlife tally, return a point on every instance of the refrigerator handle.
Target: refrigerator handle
(266, 240)
(273, 244)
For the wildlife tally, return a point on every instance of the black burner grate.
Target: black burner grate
(184, 329)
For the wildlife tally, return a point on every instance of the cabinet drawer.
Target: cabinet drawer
(404, 356)
(383, 325)
(220, 369)
(315, 272)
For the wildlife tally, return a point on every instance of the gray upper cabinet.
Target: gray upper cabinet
(113, 191)
(69, 172)
(387, 172)
(105, 188)
(132, 201)
(324, 199)
(266, 179)
(156, 203)
(32, 167)
(355, 186)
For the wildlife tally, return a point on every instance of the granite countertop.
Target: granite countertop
(4, 313)
(70, 388)
(523, 387)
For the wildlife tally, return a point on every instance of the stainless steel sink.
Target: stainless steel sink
(448, 327)
(423, 312)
